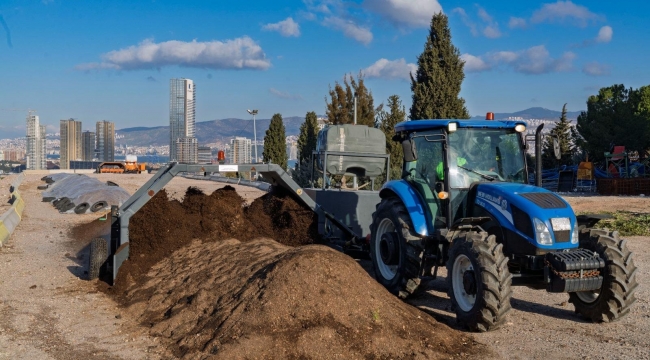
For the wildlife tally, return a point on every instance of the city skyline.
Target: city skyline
(261, 55)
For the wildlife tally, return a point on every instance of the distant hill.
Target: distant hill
(534, 113)
(207, 131)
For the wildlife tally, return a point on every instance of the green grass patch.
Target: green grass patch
(626, 223)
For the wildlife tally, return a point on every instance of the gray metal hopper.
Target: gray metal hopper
(351, 139)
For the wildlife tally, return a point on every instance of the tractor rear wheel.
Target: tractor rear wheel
(395, 250)
(615, 297)
(479, 283)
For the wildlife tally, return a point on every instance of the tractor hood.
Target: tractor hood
(536, 214)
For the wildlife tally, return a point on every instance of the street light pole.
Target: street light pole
(254, 112)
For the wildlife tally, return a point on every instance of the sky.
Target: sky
(112, 60)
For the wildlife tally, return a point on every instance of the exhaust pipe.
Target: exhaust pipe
(538, 155)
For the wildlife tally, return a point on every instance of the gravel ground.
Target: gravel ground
(47, 312)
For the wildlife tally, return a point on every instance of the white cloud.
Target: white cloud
(605, 34)
(516, 22)
(349, 29)
(286, 27)
(239, 53)
(596, 69)
(564, 11)
(284, 95)
(534, 60)
(489, 27)
(474, 63)
(405, 13)
(491, 32)
(387, 69)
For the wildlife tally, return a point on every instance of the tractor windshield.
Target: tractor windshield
(485, 155)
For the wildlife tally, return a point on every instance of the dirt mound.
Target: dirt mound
(163, 226)
(261, 299)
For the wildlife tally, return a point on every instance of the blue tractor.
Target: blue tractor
(464, 202)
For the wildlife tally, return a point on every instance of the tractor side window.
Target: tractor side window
(429, 166)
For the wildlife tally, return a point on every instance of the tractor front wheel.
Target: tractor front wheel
(615, 297)
(479, 283)
(395, 250)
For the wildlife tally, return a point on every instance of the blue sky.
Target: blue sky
(112, 60)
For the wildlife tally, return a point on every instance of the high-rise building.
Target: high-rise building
(36, 158)
(240, 150)
(88, 145)
(70, 142)
(205, 155)
(187, 150)
(105, 143)
(43, 148)
(182, 96)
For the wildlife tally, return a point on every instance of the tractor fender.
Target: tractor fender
(413, 203)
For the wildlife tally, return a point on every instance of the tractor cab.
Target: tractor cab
(444, 159)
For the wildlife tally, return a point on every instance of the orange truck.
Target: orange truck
(130, 166)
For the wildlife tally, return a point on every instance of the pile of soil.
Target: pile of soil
(261, 299)
(163, 226)
(206, 277)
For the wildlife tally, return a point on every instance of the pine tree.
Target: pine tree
(563, 132)
(275, 148)
(386, 121)
(437, 83)
(340, 108)
(307, 137)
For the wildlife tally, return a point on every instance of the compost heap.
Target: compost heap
(205, 275)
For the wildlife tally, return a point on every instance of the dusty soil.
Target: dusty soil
(47, 312)
(597, 204)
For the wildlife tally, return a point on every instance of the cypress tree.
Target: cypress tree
(386, 121)
(307, 137)
(437, 83)
(563, 132)
(275, 148)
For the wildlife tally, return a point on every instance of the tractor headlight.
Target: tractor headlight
(574, 235)
(542, 235)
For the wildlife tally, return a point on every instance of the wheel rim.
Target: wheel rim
(588, 296)
(388, 272)
(462, 264)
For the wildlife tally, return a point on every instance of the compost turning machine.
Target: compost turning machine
(462, 202)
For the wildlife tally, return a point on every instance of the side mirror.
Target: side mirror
(556, 148)
(410, 154)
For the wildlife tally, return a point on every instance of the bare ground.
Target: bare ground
(47, 312)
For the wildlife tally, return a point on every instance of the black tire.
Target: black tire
(486, 276)
(48, 199)
(42, 187)
(98, 206)
(65, 207)
(48, 180)
(395, 250)
(63, 200)
(616, 296)
(81, 208)
(97, 257)
(111, 183)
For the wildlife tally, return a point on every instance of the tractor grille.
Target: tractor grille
(522, 221)
(562, 236)
(545, 200)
